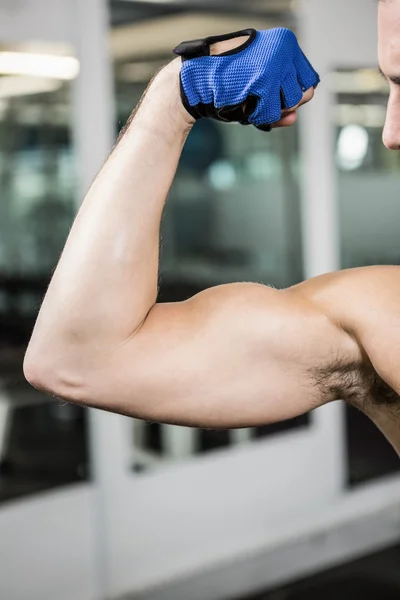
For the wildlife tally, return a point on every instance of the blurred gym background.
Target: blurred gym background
(95, 506)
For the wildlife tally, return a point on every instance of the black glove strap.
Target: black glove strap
(197, 48)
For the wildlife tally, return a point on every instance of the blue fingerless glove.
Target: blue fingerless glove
(251, 84)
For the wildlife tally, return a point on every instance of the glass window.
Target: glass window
(368, 186)
(42, 443)
(233, 213)
(368, 173)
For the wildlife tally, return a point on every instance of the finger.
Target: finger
(306, 73)
(264, 110)
(289, 116)
(307, 96)
(287, 120)
(291, 91)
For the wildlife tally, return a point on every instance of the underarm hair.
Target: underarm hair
(355, 383)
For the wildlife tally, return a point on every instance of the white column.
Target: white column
(320, 210)
(94, 102)
(94, 136)
(319, 199)
(178, 443)
(241, 436)
(334, 35)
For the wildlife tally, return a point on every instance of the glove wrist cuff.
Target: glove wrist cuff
(197, 48)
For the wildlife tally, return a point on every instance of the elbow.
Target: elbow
(37, 371)
(79, 375)
(52, 374)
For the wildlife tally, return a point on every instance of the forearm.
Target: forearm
(106, 281)
(226, 358)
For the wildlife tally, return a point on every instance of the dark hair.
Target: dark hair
(354, 382)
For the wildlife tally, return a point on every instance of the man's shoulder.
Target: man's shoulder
(365, 302)
(350, 296)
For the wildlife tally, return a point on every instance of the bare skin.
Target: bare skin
(389, 60)
(233, 356)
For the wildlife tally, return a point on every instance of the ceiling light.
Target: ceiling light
(39, 65)
(11, 87)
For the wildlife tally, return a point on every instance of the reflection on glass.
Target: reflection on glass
(232, 215)
(352, 147)
(369, 182)
(368, 173)
(42, 444)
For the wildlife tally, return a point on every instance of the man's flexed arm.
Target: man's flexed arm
(228, 357)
